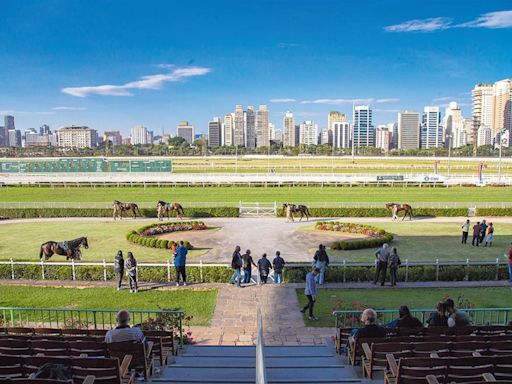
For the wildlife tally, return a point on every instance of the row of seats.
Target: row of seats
(343, 334)
(407, 370)
(374, 355)
(81, 369)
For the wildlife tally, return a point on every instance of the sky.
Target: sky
(112, 65)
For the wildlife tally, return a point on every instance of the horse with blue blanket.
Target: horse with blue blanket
(70, 249)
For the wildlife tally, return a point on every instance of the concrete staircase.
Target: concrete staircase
(233, 365)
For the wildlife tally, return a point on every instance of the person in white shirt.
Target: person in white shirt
(123, 331)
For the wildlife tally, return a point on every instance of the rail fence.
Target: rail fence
(80, 318)
(479, 316)
(276, 204)
(345, 265)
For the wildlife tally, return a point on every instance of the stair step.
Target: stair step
(280, 361)
(250, 351)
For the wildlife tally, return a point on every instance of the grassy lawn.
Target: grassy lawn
(235, 194)
(21, 241)
(419, 298)
(420, 241)
(197, 303)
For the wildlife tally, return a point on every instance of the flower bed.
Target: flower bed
(375, 236)
(145, 235)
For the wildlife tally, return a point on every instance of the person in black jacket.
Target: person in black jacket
(371, 328)
(131, 267)
(278, 264)
(119, 268)
(321, 261)
(264, 268)
(248, 262)
(236, 265)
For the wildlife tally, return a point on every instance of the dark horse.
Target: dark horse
(70, 249)
(395, 208)
(302, 209)
(163, 208)
(119, 208)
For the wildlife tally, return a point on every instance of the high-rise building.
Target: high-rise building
(45, 130)
(14, 136)
(468, 126)
(228, 129)
(334, 117)
(342, 134)
(215, 132)
(484, 136)
(278, 135)
(408, 130)
(383, 138)
(250, 128)
(239, 126)
(431, 133)
(502, 114)
(77, 137)
(289, 130)
(309, 133)
(8, 125)
(139, 135)
(364, 131)
(262, 131)
(483, 107)
(113, 136)
(271, 131)
(185, 130)
(453, 123)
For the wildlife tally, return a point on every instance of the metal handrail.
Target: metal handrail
(261, 373)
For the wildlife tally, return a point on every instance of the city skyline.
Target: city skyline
(131, 65)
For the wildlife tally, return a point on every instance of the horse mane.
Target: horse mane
(76, 241)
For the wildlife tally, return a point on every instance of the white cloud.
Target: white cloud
(69, 108)
(425, 25)
(350, 101)
(493, 20)
(145, 82)
(283, 100)
(287, 45)
(443, 99)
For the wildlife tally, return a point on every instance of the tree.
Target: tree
(177, 141)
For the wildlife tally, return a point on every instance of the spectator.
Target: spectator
(174, 246)
(119, 268)
(123, 331)
(456, 318)
(180, 262)
(438, 318)
(405, 319)
(311, 292)
(236, 265)
(321, 262)
(394, 263)
(264, 268)
(131, 271)
(509, 256)
(465, 231)
(483, 230)
(476, 234)
(382, 256)
(490, 235)
(278, 264)
(371, 328)
(248, 262)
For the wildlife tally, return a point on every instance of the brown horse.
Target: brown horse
(163, 208)
(70, 249)
(119, 208)
(395, 208)
(290, 209)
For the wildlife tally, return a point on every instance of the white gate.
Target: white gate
(258, 209)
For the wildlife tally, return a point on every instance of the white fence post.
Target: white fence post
(497, 268)
(467, 270)
(168, 271)
(104, 270)
(437, 269)
(12, 269)
(42, 268)
(73, 269)
(201, 271)
(344, 270)
(406, 270)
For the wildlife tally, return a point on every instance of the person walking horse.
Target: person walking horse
(396, 208)
(119, 208)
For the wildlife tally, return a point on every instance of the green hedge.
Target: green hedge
(378, 236)
(153, 242)
(291, 274)
(21, 213)
(382, 212)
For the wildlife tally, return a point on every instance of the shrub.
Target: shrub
(377, 236)
(383, 212)
(143, 235)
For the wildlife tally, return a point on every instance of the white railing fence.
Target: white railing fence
(261, 372)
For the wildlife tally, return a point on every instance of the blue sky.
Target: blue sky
(114, 64)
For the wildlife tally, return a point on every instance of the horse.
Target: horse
(119, 208)
(395, 208)
(70, 249)
(164, 208)
(292, 208)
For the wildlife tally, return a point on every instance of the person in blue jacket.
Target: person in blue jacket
(311, 292)
(180, 261)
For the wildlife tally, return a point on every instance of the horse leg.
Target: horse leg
(114, 214)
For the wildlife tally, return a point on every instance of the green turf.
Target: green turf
(421, 241)
(415, 298)
(199, 304)
(333, 195)
(21, 241)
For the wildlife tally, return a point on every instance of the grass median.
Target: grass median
(198, 303)
(415, 298)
